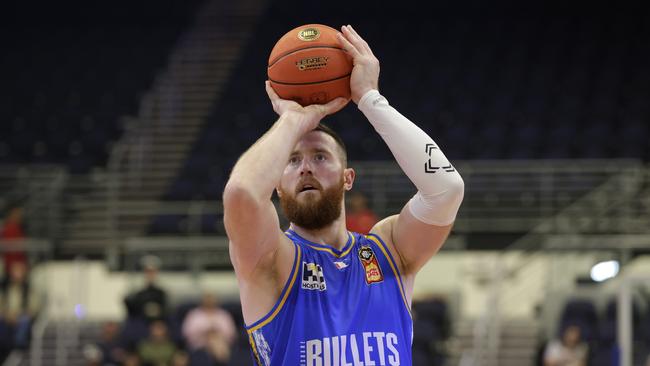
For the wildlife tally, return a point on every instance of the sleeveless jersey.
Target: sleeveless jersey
(338, 308)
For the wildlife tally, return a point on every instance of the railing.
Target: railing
(543, 198)
(38, 189)
(625, 182)
(37, 250)
(512, 196)
(194, 254)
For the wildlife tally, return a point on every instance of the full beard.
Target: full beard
(314, 213)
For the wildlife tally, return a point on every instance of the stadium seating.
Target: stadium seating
(66, 85)
(599, 329)
(492, 86)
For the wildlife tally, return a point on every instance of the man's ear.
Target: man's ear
(348, 178)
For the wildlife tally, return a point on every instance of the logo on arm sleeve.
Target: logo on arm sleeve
(429, 167)
(370, 265)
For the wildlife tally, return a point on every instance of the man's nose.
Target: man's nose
(305, 167)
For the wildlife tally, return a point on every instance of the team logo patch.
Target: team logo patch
(312, 277)
(370, 265)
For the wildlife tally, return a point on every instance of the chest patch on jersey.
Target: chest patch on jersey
(370, 265)
(312, 277)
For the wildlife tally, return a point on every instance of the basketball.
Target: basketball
(309, 65)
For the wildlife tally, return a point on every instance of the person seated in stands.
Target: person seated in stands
(131, 359)
(571, 350)
(150, 302)
(210, 329)
(359, 218)
(12, 230)
(110, 348)
(181, 358)
(19, 306)
(158, 349)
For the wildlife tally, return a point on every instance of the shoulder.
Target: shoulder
(384, 231)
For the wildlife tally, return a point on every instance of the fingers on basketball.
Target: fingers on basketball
(269, 90)
(349, 47)
(355, 39)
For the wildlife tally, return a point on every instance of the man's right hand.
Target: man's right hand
(309, 116)
(365, 74)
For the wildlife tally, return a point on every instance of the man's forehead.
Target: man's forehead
(316, 140)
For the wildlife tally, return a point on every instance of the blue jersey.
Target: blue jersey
(338, 308)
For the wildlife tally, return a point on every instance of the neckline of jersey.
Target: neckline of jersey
(326, 246)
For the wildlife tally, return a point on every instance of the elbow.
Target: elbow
(454, 194)
(452, 189)
(238, 195)
(457, 187)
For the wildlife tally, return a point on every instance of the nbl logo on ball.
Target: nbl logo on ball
(308, 34)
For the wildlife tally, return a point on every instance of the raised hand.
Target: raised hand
(309, 115)
(365, 74)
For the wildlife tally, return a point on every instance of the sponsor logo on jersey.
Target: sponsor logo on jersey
(340, 264)
(370, 265)
(367, 348)
(312, 277)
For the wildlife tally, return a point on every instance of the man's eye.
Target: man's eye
(319, 157)
(294, 160)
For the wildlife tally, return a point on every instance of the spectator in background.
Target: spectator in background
(131, 359)
(18, 307)
(210, 329)
(569, 351)
(150, 302)
(12, 230)
(158, 349)
(181, 358)
(359, 218)
(109, 346)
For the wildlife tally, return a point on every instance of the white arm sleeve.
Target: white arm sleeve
(440, 187)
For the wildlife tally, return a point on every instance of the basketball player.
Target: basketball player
(318, 294)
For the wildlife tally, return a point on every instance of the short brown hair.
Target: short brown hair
(339, 141)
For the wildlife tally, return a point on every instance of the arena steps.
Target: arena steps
(197, 71)
(517, 345)
(63, 343)
(157, 142)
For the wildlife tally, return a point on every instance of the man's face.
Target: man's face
(313, 182)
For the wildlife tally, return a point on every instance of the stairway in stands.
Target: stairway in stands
(59, 343)
(517, 345)
(156, 142)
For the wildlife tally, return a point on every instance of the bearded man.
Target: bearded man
(318, 294)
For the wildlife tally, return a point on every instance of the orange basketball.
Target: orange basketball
(309, 65)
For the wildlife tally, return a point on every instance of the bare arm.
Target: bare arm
(250, 218)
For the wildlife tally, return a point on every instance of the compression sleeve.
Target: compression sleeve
(440, 187)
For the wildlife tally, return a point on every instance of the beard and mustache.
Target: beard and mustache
(313, 213)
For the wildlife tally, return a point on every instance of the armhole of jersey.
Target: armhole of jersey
(393, 265)
(283, 294)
